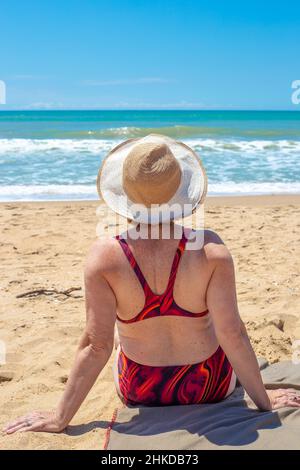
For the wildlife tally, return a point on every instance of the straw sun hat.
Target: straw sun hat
(153, 179)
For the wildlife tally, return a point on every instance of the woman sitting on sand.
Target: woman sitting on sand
(173, 298)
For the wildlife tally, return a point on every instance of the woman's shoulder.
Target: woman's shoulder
(214, 247)
(103, 255)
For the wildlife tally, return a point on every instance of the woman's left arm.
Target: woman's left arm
(94, 350)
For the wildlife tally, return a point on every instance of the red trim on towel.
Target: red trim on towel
(109, 428)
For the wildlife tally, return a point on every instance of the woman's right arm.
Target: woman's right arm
(230, 330)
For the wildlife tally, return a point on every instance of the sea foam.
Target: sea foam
(27, 146)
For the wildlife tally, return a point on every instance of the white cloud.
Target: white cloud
(118, 105)
(148, 105)
(130, 81)
(28, 77)
(44, 105)
(2, 92)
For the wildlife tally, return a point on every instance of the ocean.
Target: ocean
(55, 155)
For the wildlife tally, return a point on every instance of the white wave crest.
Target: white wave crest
(245, 146)
(96, 146)
(252, 188)
(47, 192)
(66, 146)
(88, 192)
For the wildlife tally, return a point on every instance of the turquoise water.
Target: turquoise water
(56, 154)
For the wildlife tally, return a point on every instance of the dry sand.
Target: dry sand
(43, 246)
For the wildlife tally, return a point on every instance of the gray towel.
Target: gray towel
(233, 423)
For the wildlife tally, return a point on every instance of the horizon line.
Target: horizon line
(149, 109)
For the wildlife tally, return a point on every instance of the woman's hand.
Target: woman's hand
(283, 397)
(37, 421)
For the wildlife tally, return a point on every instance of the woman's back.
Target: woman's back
(150, 333)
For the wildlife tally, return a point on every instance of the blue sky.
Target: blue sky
(149, 54)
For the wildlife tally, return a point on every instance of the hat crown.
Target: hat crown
(151, 173)
(155, 171)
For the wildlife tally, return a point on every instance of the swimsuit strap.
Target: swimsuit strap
(133, 263)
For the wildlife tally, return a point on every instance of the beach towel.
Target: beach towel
(234, 423)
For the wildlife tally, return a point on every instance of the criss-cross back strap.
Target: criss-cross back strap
(133, 263)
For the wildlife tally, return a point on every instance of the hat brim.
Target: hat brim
(190, 193)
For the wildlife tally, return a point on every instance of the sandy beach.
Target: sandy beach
(43, 248)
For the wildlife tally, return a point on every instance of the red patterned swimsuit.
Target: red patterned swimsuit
(205, 382)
